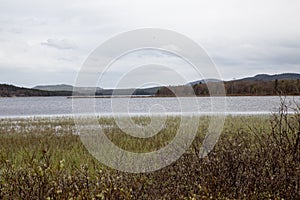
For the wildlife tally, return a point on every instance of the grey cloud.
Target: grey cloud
(243, 38)
(59, 44)
(258, 53)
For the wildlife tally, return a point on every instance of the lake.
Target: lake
(62, 106)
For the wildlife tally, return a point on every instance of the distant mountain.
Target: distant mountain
(267, 77)
(61, 87)
(99, 91)
(211, 80)
(259, 77)
(70, 88)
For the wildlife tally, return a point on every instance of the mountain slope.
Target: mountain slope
(61, 87)
(267, 77)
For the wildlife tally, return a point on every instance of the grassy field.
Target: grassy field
(256, 157)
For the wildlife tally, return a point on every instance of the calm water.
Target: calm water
(57, 106)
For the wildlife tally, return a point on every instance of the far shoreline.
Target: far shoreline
(153, 96)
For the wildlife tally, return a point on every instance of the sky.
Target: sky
(47, 42)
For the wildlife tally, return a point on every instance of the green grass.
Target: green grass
(256, 157)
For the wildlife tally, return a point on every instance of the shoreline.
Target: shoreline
(150, 96)
(111, 115)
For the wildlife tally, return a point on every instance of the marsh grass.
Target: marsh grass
(256, 157)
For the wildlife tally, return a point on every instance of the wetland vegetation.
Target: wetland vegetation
(256, 157)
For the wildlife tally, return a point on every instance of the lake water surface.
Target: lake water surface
(62, 106)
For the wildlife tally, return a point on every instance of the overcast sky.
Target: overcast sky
(46, 42)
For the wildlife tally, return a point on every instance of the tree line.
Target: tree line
(237, 88)
(13, 91)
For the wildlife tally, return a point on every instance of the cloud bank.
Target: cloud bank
(46, 42)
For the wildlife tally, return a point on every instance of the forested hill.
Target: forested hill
(238, 88)
(13, 91)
